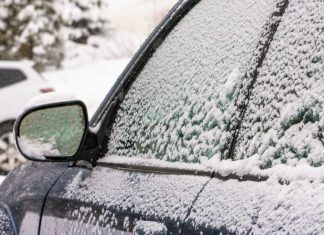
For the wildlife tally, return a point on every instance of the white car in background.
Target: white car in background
(18, 83)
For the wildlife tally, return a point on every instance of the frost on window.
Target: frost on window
(6, 227)
(284, 122)
(179, 107)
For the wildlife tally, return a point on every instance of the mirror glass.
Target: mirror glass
(52, 132)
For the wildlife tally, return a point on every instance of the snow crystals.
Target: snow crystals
(284, 119)
(179, 107)
(183, 105)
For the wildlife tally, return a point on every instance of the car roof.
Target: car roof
(23, 64)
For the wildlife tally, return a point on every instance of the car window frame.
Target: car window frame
(103, 118)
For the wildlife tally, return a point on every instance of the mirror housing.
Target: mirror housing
(53, 131)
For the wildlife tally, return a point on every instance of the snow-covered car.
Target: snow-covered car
(216, 126)
(19, 82)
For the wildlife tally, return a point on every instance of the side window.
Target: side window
(179, 107)
(10, 76)
(284, 121)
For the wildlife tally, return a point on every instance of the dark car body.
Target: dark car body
(117, 197)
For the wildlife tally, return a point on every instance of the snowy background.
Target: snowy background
(89, 71)
(78, 46)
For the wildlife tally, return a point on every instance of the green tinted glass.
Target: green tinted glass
(52, 132)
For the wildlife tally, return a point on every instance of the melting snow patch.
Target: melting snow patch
(37, 149)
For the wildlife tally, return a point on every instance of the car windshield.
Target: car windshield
(180, 106)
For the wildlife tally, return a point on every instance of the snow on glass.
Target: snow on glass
(179, 107)
(284, 121)
(6, 227)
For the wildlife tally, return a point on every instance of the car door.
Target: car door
(174, 114)
(280, 141)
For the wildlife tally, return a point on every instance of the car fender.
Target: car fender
(23, 194)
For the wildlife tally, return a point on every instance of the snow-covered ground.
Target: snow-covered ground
(89, 82)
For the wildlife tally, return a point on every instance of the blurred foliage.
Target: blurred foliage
(37, 30)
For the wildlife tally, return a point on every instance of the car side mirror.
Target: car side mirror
(54, 131)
